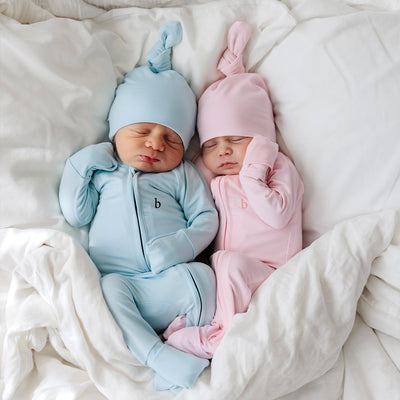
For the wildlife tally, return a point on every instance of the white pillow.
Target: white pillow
(335, 86)
(57, 81)
(109, 4)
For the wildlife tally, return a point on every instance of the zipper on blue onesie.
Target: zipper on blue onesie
(136, 205)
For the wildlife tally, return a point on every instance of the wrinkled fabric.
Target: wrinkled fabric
(260, 230)
(145, 231)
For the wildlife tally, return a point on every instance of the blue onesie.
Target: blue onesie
(147, 228)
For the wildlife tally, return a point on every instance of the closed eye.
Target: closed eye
(237, 139)
(173, 139)
(209, 146)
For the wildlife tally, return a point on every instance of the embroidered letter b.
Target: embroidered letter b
(157, 204)
(243, 204)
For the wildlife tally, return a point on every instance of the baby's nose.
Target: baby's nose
(156, 143)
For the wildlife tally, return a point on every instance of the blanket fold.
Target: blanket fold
(293, 341)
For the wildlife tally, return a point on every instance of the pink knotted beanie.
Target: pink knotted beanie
(239, 104)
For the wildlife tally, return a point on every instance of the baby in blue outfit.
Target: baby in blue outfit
(150, 214)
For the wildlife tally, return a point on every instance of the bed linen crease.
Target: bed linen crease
(55, 300)
(324, 326)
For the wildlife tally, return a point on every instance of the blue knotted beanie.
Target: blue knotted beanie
(156, 93)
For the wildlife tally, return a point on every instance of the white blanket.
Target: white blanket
(60, 342)
(323, 327)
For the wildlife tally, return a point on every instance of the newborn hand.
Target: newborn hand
(260, 156)
(94, 157)
(261, 151)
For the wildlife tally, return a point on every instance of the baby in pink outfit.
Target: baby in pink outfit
(257, 191)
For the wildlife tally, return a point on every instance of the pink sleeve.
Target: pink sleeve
(271, 183)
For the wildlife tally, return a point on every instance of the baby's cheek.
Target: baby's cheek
(207, 159)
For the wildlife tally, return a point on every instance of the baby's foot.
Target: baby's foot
(201, 341)
(177, 324)
(175, 366)
(161, 384)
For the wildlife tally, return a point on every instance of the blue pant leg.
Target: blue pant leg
(139, 336)
(204, 280)
(184, 289)
(125, 295)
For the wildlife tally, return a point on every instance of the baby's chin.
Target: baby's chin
(153, 167)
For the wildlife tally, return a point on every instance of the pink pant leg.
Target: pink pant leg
(238, 276)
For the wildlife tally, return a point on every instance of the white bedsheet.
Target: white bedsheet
(326, 325)
(293, 343)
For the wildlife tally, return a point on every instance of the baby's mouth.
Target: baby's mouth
(227, 165)
(148, 159)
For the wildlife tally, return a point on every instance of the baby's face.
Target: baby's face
(149, 147)
(224, 155)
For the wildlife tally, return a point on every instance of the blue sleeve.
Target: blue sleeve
(77, 195)
(202, 225)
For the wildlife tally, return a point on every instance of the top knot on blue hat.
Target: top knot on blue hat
(159, 57)
(156, 93)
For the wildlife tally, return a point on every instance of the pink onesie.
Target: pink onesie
(259, 209)
(260, 230)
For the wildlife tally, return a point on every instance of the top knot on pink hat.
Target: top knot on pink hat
(231, 62)
(239, 103)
